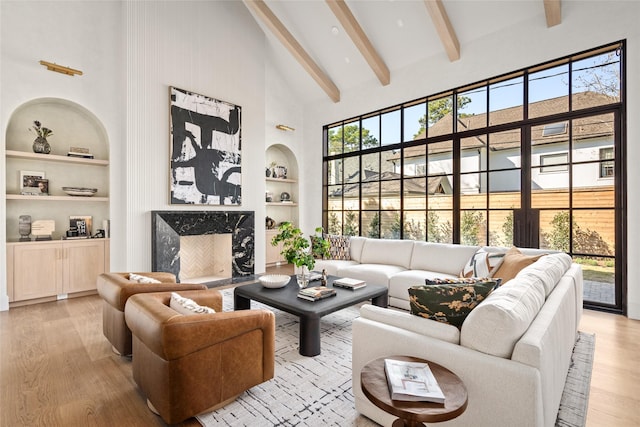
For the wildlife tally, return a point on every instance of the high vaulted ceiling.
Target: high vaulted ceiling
(324, 46)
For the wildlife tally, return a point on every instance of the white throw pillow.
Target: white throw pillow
(142, 279)
(482, 264)
(188, 306)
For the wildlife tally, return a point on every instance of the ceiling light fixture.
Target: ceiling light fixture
(335, 31)
(285, 128)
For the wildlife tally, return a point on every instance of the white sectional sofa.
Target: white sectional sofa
(513, 350)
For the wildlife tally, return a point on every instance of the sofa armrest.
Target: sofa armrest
(409, 322)
(172, 335)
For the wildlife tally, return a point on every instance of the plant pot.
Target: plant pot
(40, 145)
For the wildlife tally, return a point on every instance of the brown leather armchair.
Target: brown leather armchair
(187, 365)
(115, 289)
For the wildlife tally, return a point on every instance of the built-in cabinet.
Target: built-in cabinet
(47, 269)
(55, 268)
(279, 208)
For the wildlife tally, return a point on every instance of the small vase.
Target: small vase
(40, 145)
(302, 276)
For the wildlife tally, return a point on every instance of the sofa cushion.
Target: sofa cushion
(400, 282)
(378, 274)
(142, 279)
(512, 262)
(549, 269)
(481, 264)
(331, 266)
(387, 251)
(339, 247)
(187, 306)
(441, 257)
(497, 324)
(449, 303)
(356, 244)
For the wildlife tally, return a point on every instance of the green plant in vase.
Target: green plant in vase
(300, 251)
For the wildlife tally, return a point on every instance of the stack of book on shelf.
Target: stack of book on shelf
(316, 293)
(412, 381)
(349, 283)
(79, 152)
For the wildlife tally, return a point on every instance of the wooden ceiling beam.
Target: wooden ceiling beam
(286, 38)
(444, 28)
(360, 39)
(552, 11)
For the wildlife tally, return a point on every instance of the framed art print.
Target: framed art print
(205, 150)
(29, 182)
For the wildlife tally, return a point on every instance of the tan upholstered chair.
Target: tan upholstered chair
(187, 365)
(115, 289)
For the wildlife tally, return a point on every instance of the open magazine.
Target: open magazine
(412, 381)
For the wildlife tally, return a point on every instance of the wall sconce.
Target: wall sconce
(60, 69)
(285, 128)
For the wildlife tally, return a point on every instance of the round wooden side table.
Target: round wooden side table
(413, 414)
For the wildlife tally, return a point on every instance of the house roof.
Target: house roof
(387, 184)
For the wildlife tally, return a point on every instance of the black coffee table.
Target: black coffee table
(309, 312)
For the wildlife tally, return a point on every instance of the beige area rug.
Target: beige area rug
(316, 391)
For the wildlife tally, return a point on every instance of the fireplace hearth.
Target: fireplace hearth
(167, 228)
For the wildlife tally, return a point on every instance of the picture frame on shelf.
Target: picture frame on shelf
(205, 150)
(29, 182)
(43, 186)
(81, 223)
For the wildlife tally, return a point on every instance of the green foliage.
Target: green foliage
(471, 223)
(413, 230)
(507, 230)
(374, 227)
(584, 240)
(439, 108)
(559, 237)
(351, 139)
(350, 224)
(335, 227)
(296, 249)
(437, 232)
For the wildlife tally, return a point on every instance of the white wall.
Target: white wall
(130, 53)
(585, 24)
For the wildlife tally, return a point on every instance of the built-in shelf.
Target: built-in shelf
(56, 158)
(287, 180)
(289, 205)
(56, 198)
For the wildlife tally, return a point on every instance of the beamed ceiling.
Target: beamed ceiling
(323, 46)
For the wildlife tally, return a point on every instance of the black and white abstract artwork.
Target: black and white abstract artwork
(205, 150)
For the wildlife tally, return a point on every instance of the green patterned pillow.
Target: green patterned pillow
(449, 303)
(338, 247)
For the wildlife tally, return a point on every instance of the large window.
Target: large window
(518, 159)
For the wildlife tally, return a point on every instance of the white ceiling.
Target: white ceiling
(401, 31)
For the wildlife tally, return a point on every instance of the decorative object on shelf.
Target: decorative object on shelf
(29, 180)
(43, 186)
(267, 172)
(274, 281)
(43, 229)
(80, 191)
(60, 69)
(270, 223)
(268, 197)
(41, 145)
(81, 152)
(82, 223)
(24, 228)
(285, 197)
(299, 251)
(205, 170)
(280, 172)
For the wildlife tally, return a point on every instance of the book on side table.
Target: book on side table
(412, 381)
(348, 283)
(316, 293)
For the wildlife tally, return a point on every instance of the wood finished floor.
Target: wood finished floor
(57, 369)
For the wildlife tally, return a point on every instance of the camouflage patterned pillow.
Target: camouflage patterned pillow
(449, 303)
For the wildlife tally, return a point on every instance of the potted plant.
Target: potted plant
(300, 251)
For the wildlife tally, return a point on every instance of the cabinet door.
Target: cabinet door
(83, 262)
(272, 255)
(37, 270)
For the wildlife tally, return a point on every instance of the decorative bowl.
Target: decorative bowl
(274, 280)
(80, 191)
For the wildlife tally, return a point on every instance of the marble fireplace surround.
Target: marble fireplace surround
(168, 226)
